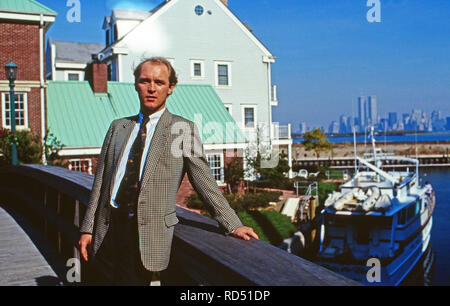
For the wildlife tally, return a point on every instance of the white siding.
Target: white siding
(180, 34)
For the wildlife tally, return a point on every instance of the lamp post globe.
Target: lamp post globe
(11, 75)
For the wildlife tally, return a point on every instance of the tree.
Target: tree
(234, 172)
(29, 147)
(52, 146)
(277, 175)
(316, 140)
(260, 163)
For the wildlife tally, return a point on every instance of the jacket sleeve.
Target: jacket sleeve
(205, 185)
(88, 222)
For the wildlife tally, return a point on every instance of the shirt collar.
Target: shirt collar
(153, 117)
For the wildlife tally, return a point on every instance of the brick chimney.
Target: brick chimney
(97, 75)
(225, 2)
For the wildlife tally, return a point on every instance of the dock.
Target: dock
(21, 262)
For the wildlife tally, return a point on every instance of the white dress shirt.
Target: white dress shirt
(151, 126)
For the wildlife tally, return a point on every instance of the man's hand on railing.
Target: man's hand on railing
(84, 243)
(245, 233)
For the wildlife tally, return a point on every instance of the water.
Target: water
(440, 179)
(425, 137)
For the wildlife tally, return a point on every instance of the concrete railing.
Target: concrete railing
(54, 200)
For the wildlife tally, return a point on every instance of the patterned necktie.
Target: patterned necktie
(128, 192)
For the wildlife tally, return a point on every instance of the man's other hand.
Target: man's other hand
(245, 233)
(85, 243)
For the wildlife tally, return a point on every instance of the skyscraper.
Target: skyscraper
(333, 128)
(343, 128)
(392, 118)
(362, 113)
(302, 127)
(367, 112)
(372, 114)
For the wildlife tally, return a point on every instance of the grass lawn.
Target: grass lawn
(271, 226)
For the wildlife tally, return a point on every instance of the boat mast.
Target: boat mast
(375, 161)
(354, 148)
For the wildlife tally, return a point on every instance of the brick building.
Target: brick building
(23, 24)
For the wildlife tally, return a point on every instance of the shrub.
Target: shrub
(260, 199)
(324, 189)
(247, 202)
(29, 147)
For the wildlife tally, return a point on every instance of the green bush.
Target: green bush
(29, 147)
(324, 189)
(271, 226)
(248, 202)
(258, 200)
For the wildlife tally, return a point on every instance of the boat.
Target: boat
(377, 227)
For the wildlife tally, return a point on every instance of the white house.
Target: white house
(67, 60)
(207, 44)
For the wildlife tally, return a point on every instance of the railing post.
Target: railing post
(76, 222)
(58, 211)
(45, 207)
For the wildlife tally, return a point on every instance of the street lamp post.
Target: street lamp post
(11, 75)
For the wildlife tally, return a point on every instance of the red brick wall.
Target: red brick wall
(20, 42)
(34, 110)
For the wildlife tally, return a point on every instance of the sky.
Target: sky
(327, 52)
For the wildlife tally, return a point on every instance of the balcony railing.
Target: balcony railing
(281, 131)
(54, 200)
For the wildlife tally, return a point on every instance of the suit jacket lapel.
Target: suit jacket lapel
(123, 134)
(157, 145)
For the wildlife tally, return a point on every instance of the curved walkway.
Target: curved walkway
(21, 262)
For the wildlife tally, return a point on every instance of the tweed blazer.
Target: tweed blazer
(175, 149)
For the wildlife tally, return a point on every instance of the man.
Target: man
(131, 215)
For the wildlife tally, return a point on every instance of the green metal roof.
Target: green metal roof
(26, 6)
(80, 118)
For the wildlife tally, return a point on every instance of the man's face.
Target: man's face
(153, 87)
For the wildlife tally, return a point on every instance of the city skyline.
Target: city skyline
(327, 52)
(368, 115)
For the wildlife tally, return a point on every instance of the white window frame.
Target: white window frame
(216, 74)
(25, 111)
(255, 116)
(230, 108)
(222, 165)
(81, 160)
(202, 69)
(67, 72)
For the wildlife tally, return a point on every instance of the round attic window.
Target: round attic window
(199, 10)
